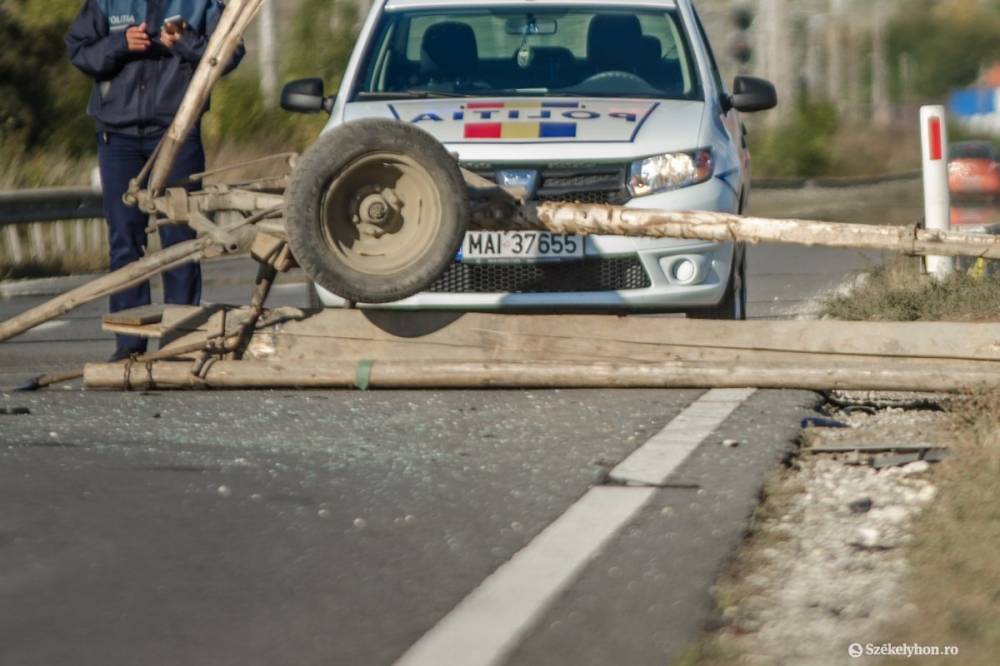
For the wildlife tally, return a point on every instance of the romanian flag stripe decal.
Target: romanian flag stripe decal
(495, 106)
(520, 131)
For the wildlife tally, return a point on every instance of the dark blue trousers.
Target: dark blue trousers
(121, 158)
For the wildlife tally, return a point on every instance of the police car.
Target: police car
(576, 101)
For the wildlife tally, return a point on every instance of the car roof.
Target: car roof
(428, 4)
(973, 150)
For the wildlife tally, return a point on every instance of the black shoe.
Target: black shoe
(123, 355)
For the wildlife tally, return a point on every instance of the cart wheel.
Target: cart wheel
(376, 210)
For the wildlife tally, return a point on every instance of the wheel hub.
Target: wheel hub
(381, 213)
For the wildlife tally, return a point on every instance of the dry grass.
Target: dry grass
(19, 170)
(955, 579)
(71, 264)
(898, 291)
(857, 150)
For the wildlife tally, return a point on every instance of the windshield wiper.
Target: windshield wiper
(408, 94)
(524, 92)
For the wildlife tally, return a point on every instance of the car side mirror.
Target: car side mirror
(751, 94)
(306, 96)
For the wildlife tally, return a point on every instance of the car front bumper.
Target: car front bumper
(712, 265)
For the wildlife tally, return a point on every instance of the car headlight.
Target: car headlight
(672, 171)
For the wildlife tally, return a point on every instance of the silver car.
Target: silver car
(576, 101)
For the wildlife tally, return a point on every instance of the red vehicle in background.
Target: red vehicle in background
(974, 169)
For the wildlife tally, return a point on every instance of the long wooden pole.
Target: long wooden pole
(134, 274)
(233, 24)
(590, 219)
(320, 374)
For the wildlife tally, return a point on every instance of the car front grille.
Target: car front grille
(594, 184)
(614, 274)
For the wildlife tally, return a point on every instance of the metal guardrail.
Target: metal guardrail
(833, 182)
(47, 223)
(50, 204)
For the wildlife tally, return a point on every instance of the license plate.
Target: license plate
(517, 246)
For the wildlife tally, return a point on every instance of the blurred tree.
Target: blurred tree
(42, 97)
(801, 146)
(323, 35)
(318, 42)
(947, 42)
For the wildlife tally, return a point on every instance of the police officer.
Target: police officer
(141, 55)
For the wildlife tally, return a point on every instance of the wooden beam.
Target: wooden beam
(131, 275)
(233, 24)
(322, 374)
(587, 219)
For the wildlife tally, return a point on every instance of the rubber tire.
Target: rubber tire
(733, 306)
(316, 170)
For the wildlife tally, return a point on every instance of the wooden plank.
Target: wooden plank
(167, 322)
(392, 336)
(141, 316)
(420, 335)
(149, 331)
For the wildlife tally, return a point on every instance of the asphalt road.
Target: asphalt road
(345, 528)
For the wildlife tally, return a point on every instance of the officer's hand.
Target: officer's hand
(137, 39)
(171, 34)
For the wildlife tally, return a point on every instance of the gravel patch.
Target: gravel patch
(826, 562)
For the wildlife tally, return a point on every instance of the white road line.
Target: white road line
(657, 459)
(489, 623)
(49, 326)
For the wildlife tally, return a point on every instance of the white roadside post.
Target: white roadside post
(937, 199)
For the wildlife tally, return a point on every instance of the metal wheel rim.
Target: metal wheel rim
(415, 206)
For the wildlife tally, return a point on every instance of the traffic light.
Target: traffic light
(741, 46)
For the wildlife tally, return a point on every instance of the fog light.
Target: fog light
(685, 271)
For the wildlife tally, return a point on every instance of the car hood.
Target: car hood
(493, 129)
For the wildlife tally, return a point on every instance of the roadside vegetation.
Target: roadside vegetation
(74, 263)
(947, 594)
(817, 142)
(898, 291)
(934, 47)
(954, 582)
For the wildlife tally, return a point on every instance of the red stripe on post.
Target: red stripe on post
(936, 141)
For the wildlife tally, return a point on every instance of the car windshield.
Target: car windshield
(973, 150)
(585, 51)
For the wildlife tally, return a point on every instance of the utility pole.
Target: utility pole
(816, 25)
(268, 53)
(778, 59)
(835, 52)
(881, 102)
(856, 65)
